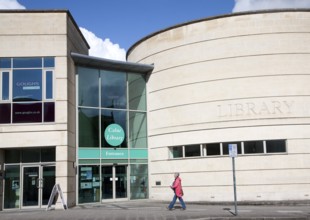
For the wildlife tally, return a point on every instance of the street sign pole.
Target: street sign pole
(233, 151)
(235, 190)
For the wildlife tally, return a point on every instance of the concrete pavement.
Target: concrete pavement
(154, 210)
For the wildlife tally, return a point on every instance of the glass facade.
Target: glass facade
(112, 135)
(12, 187)
(113, 89)
(139, 181)
(29, 177)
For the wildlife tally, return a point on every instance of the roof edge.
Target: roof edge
(48, 11)
(33, 10)
(213, 18)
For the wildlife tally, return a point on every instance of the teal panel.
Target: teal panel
(87, 153)
(114, 153)
(138, 154)
(118, 153)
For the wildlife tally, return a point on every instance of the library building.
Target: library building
(104, 130)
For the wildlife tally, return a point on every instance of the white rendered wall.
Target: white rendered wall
(40, 34)
(233, 78)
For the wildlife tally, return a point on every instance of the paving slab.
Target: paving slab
(154, 210)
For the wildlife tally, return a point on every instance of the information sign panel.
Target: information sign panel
(233, 150)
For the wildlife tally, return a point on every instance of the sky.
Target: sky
(111, 27)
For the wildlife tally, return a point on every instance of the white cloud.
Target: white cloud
(103, 48)
(10, 4)
(98, 47)
(252, 5)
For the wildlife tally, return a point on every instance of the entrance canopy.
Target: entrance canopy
(85, 60)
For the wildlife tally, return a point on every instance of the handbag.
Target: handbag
(182, 193)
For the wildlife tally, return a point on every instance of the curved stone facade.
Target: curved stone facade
(235, 78)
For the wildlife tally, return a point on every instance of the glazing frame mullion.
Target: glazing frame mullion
(264, 147)
(43, 91)
(147, 139)
(77, 135)
(9, 71)
(11, 90)
(1, 83)
(100, 133)
(128, 167)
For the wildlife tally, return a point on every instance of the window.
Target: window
(213, 149)
(25, 155)
(253, 147)
(5, 113)
(12, 175)
(49, 84)
(244, 148)
(137, 130)
(88, 87)
(275, 146)
(139, 183)
(30, 155)
(89, 183)
(49, 111)
(28, 62)
(48, 154)
(48, 62)
(88, 127)
(5, 63)
(5, 82)
(136, 92)
(26, 86)
(113, 89)
(177, 152)
(192, 150)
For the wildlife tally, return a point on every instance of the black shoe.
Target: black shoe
(169, 208)
(183, 209)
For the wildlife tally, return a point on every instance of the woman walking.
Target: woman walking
(178, 192)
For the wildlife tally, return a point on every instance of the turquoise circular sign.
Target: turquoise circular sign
(114, 135)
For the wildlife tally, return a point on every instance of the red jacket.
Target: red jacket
(177, 187)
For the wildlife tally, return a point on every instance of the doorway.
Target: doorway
(114, 184)
(37, 184)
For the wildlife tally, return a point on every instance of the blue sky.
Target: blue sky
(113, 26)
(127, 21)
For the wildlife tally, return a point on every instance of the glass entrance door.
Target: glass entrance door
(48, 180)
(38, 182)
(120, 181)
(114, 182)
(107, 182)
(31, 184)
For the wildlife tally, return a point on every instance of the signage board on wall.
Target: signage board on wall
(114, 135)
(108, 153)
